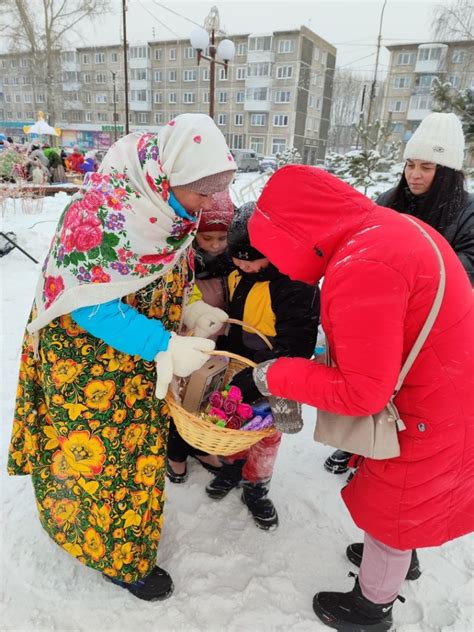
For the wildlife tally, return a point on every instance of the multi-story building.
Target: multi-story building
(412, 69)
(276, 93)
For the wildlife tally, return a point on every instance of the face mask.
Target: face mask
(178, 208)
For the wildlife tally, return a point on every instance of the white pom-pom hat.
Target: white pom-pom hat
(439, 139)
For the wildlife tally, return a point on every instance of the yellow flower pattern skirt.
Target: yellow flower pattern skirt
(93, 437)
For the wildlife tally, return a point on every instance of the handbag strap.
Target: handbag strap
(423, 335)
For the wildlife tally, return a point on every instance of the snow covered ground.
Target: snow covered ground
(229, 576)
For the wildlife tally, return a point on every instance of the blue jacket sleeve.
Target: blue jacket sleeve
(125, 329)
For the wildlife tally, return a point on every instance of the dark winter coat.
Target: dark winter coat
(380, 278)
(459, 234)
(286, 311)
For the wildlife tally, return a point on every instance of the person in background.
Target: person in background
(285, 311)
(212, 266)
(433, 189)
(75, 159)
(381, 276)
(55, 164)
(103, 343)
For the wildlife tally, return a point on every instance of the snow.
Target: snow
(229, 575)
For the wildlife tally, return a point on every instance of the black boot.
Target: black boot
(354, 554)
(338, 462)
(229, 477)
(156, 586)
(254, 495)
(352, 612)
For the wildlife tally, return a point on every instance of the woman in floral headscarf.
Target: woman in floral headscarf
(101, 347)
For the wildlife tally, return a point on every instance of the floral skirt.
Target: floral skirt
(92, 435)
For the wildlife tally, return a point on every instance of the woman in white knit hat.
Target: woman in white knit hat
(432, 188)
(102, 345)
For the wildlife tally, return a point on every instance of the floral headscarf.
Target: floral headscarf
(120, 234)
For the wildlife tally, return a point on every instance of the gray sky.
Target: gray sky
(351, 25)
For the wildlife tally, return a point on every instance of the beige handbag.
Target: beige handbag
(376, 436)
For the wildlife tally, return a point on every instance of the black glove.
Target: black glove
(248, 388)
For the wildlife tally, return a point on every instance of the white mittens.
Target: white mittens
(203, 319)
(184, 355)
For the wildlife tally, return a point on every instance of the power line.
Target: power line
(159, 21)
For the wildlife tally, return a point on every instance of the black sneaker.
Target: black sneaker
(352, 612)
(354, 554)
(254, 495)
(156, 586)
(229, 477)
(338, 462)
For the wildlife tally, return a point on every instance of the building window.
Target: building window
(425, 54)
(157, 97)
(138, 74)
(29, 115)
(401, 82)
(398, 128)
(172, 97)
(158, 54)
(316, 53)
(114, 58)
(139, 95)
(278, 145)
(101, 78)
(189, 75)
(239, 119)
(101, 98)
(425, 81)
(405, 59)
(138, 52)
(39, 98)
(24, 63)
(260, 43)
(158, 118)
(261, 69)
(421, 102)
(258, 120)
(171, 75)
(143, 117)
(241, 73)
(222, 119)
(87, 97)
(86, 59)
(100, 58)
(284, 72)
(205, 97)
(257, 94)
(455, 81)
(286, 46)
(172, 54)
(257, 144)
(189, 52)
(242, 49)
(223, 75)
(76, 117)
(19, 116)
(280, 120)
(398, 106)
(222, 96)
(458, 56)
(237, 141)
(189, 97)
(8, 98)
(13, 63)
(312, 100)
(17, 98)
(157, 76)
(240, 96)
(205, 74)
(102, 117)
(27, 98)
(318, 103)
(284, 96)
(87, 78)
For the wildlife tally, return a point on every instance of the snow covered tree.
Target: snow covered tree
(291, 156)
(453, 21)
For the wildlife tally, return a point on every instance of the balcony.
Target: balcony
(431, 58)
(252, 105)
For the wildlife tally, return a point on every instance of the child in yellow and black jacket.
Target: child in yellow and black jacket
(287, 312)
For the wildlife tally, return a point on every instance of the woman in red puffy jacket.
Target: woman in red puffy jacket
(380, 278)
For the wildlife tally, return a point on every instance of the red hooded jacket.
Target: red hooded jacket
(380, 279)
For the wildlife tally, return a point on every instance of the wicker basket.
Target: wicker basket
(205, 435)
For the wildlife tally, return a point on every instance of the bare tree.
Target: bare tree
(41, 28)
(453, 21)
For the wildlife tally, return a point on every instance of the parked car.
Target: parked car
(246, 159)
(268, 163)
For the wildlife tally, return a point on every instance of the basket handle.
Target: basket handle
(234, 321)
(233, 356)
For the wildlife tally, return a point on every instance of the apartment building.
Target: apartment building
(276, 93)
(412, 69)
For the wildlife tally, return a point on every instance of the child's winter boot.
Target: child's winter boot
(254, 495)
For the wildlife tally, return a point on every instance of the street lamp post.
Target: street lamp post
(201, 38)
(114, 97)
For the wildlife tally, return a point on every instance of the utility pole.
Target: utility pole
(361, 115)
(374, 81)
(125, 63)
(114, 97)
